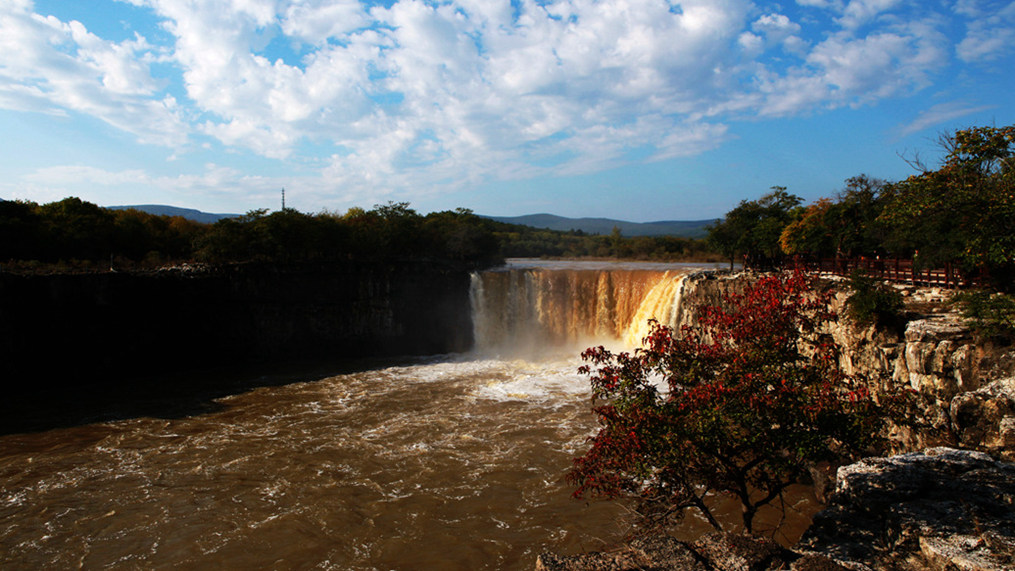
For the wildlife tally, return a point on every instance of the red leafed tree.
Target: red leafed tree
(740, 405)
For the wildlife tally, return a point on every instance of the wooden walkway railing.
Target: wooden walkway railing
(892, 269)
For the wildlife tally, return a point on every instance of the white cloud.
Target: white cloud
(770, 30)
(826, 4)
(52, 66)
(990, 31)
(776, 27)
(860, 12)
(753, 44)
(77, 174)
(315, 21)
(938, 115)
(423, 94)
(213, 185)
(848, 70)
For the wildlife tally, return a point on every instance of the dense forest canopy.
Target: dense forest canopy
(74, 234)
(79, 234)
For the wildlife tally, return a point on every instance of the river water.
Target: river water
(452, 462)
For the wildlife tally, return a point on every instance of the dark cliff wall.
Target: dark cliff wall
(105, 326)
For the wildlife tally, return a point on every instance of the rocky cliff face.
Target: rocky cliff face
(102, 326)
(963, 383)
(941, 509)
(958, 378)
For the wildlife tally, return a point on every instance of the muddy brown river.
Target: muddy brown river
(454, 462)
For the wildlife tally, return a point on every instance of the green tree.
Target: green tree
(961, 212)
(399, 230)
(872, 302)
(462, 236)
(76, 229)
(855, 228)
(616, 241)
(749, 405)
(237, 239)
(846, 226)
(753, 228)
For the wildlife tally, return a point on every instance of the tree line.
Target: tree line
(959, 213)
(528, 242)
(73, 234)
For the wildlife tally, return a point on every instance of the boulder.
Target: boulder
(938, 509)
(938, 358)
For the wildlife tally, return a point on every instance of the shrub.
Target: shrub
(990, 314)
(872, 302)
(736, 406)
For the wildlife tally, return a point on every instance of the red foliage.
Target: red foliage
(741, 405)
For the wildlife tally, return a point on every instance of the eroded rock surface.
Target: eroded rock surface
(938, 509)
(985, 418)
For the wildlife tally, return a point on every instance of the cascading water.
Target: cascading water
(450, 463)
(526, 311)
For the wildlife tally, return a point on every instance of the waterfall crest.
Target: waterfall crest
(528, 311)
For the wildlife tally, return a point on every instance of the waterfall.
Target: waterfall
(529, 311)
(662, 304)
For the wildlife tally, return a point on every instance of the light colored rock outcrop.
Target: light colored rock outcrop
(934, 354)
(938, 509)
(985, 418)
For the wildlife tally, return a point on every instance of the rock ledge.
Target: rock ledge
(941, 508)
(938, 509)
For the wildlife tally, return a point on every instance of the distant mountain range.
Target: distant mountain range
(602, 226)
(188, 213)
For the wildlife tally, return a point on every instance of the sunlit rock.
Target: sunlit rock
(985, 418)
(938, 509)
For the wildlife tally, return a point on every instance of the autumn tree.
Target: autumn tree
(810, 233)
(741, 405)
(846, 226)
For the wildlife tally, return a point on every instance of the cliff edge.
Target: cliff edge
(932, 506)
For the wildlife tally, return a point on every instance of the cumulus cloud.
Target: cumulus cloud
(56, 67)
(416, 93)
(859, 12)
(990, 29)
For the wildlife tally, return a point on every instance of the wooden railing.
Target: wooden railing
(891, 269)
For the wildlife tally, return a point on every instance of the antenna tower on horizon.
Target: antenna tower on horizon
(283, 199)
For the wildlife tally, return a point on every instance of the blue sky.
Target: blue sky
(633, 109)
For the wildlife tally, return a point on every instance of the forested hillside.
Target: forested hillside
(75, 235)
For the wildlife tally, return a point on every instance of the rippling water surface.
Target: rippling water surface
(452, 464)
